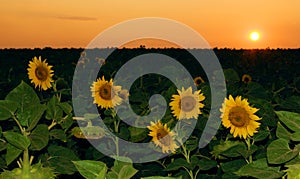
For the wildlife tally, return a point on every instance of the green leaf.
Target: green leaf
(54, 111)
(233, 166)
(231, 75)
(122, 170)
(278, 152)
(290, 119)
(31, 115)
(192, 143)
(12, 153)
(205, 164)
(91, 169)
(159, 177)
(293, 171)
(176, 164)
(2, 145)
(39, 137)
(66, 107)
(229, 149)
(282, 132)
(295, 137)
(259, 169)
(7, 109)
(257, 90)
(61, 159)
(17, 140)
(261, 135)
(137, 134)
(58, 134)
(24, 95)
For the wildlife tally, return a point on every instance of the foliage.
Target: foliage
(39, 137)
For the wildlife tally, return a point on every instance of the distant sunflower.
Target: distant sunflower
(246, 78)
(198, 80)
(40, 73)
(105, 93)
(162, 137)
(239, 117)
(187, 104)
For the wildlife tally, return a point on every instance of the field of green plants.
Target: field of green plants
(40, 137)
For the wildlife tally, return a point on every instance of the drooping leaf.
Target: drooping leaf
(12, 153)
(278, 151)
(39, 137)
(91, 169)
(290, 119)
(7, 109)
(259, 169)
(17, 140)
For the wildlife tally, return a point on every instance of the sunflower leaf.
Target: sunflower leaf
(17, 140)
(259, 169)
(7, 109)
(282, 132)
(278, 151)
(290, 119)
(39, 137)
(24, 95)
(12, 153)
(91, 169)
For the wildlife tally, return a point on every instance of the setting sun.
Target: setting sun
(254, 36)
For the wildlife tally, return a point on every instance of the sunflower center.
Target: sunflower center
(106, 92)
(238, 116)
(187, 103)
(41, 73)
(163, 137)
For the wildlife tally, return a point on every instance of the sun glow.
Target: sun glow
(254, 36)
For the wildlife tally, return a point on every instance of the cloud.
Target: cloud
(77, 18)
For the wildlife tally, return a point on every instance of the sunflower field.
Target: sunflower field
(49, 128)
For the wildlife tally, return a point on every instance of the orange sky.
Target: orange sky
(65, 23)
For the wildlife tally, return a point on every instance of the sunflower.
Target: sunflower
(239, 117)
(162, 136)
(198, 80)
(187, 104)
(246, 78)
(105, 94)
(40, 73)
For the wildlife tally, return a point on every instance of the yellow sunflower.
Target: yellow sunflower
(40, 73)
(239, 117)
(105, 94)
(162, 137)
(246, 78)
(198, 80)
(187, 104)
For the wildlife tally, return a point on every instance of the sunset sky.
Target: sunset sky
(64, 23)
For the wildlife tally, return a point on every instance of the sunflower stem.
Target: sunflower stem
(248, 142)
